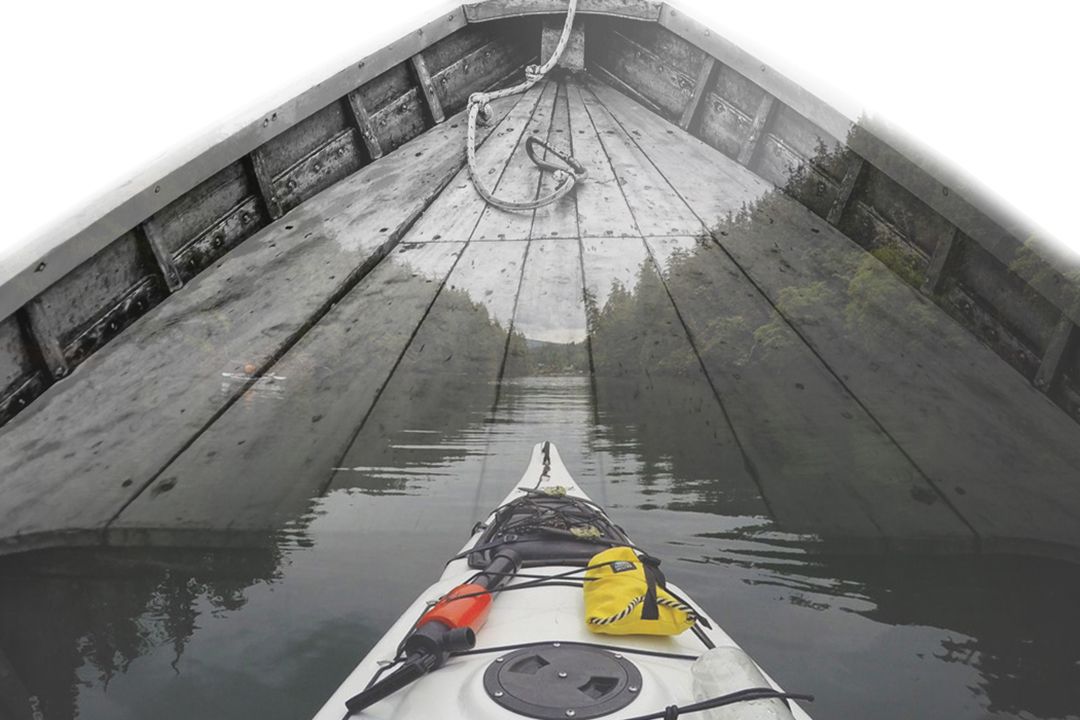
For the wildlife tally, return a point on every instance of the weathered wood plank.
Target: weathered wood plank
(21, 377)
(847, 186)
(1053, 360)
(265, 182)
(601, 205)
(728, 192)
(550, 333)
(723, 125)
(47, 337)
(693, 107)
(666, 45)
(520, 180)
(364, 124)
(613, 80)
(913, 220)
(1021, 312)
(762, 116)
(944, 256)
(400, 121)
(164, 258)
(210, 209)
(558, 219)
(649, 379)
(447, 380)
(573, 55)
(328, 163)
(966, 419)
(656, 208)
(454, 214)
(476, 71)
(427, 87)
(823, 464)
(142, 400)
(497, 9)
(258, 465)
(231, 228)
(91, 305)
(81, 236)
(637, 66)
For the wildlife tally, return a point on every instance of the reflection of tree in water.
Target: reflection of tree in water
(83, 616)
(443, 391)
(653, 401)
(1012, 619)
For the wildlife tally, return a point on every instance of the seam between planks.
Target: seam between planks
(359, 274)
(748, 463)
(325, 486)
(933, 485)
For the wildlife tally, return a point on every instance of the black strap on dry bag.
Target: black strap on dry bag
(653, 577)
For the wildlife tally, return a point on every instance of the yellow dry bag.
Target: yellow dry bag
(626, 595)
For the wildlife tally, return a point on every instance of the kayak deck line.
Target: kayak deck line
(550, 615)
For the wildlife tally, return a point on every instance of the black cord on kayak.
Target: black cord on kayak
(576, 643)
(672, 712)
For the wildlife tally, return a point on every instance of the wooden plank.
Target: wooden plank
(637, 66)
(847, 186)
(920, 375)
(47, 336)
(235, 226)
(364, 124)
(944, 255)
(476, 71)
(649, 379)
(447, 380)
(573, 55)
(560, 218)
(498, 9)
(423, 77)
(1053, 360)
(325, 165)
(728, 192)
(162, 255)
(400, 121)
(601, 72)
(601, 205)
(520, 180)
(258, 465)
(265, 183)
(454, 214)
(91, 305)
(22, 375)
(666, 45)
(656, 208)
(144, 399)
(61, 249)
(723, 125)
(765, 111)
(693, 107)
(824, 466)
(550, 336)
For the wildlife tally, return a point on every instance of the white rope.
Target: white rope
(566, 175)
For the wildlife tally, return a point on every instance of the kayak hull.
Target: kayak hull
(536, 615)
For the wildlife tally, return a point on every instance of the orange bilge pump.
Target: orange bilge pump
(450, 626)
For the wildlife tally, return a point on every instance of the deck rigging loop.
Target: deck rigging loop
(567, 173)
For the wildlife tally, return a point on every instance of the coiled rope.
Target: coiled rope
(567, 173)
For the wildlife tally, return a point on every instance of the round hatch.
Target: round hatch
(556, 681)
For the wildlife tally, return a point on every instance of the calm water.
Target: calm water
(269, 632)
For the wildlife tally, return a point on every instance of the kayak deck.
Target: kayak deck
(545, 615)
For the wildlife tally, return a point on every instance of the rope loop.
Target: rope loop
(567, 173)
